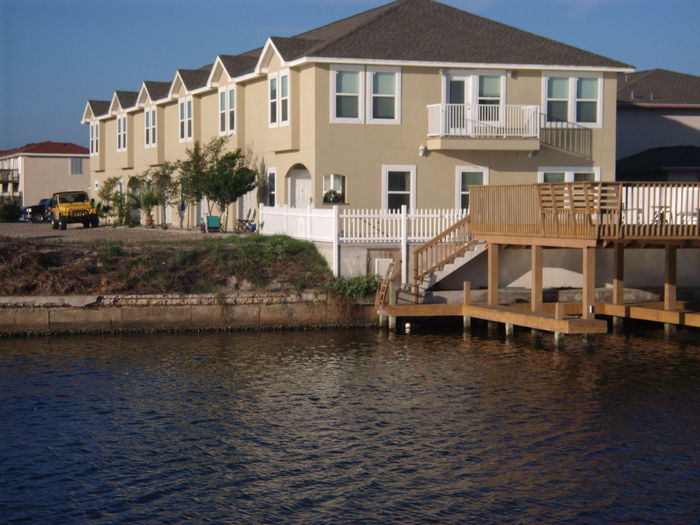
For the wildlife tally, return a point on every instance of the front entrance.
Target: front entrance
(299, 188)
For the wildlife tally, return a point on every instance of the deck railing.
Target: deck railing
(483, 121)
(592, 210)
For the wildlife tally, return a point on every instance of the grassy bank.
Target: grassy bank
(208, 265)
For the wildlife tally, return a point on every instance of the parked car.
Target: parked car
(39, 212)
(69, 207)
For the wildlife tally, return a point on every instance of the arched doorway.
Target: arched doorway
(300, 188)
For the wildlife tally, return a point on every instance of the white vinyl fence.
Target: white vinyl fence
(336, 226)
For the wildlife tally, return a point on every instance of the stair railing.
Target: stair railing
(440, 250)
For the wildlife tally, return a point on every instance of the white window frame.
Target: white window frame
(568, 172)
(271, 172)
(386, 168)
(331, 178)
(571, 99)
(369, 89)
(360, 70)
(485, 171)
(226, 110)
(185, 119)
(150, 135)
(279, 99)
(121, 133)
(94, 138)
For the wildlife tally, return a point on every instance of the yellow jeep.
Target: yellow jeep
(72, 206)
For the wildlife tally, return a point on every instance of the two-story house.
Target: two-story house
(35, 171)
(409, 103)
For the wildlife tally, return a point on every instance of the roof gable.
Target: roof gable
(95, 109)
(659, 87)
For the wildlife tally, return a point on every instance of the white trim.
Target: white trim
(369, 94)
(184, 136)
(568, 172)
(266, 48)
(22, 154)
(386, 168)
(150, 114)
(571, 100)
(485, 171)
(210, 79)
(360, 70)
(122, 134)
(277, 76)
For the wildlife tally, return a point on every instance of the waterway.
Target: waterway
(350, 426)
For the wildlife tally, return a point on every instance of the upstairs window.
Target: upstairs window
(227, 110)
(575, 99)
(278, 99)
(489, 99)
(121, 133)
(94, 138)
(365, 95)
(76, 166)
(346, 98)
(384, 86)
(150, 127)
(185, 121)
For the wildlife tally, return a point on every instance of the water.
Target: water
(349, 427)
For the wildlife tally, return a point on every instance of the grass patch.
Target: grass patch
(354, 287)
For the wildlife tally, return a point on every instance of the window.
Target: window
(185, 119)
(467, 176)
(94, 138)
(568, 174)
(76, 166)
(398, 187)
(271, 174)
(279, 99)
(227, 110)
(489, 100)
(371, 95)
(574, 99)
(333, 188)
(150, 127)
(121, 133)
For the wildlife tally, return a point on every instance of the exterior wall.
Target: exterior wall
(42, 176)
(640, 129)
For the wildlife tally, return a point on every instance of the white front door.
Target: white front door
(299, 188)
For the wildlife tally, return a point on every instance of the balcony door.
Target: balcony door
(457, 110)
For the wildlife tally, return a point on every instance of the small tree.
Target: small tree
(112, 202)
(165, 185)
(142, 195)
(230, 180)
(194, 171)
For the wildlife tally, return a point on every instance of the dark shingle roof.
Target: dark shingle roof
(127, 99)
(238, 65)
(157, 90)
(661, 158)
(425, 30)
(99, 107)
(195, 78)
(293, 48)
(659, 87)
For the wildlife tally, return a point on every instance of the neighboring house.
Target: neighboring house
(658, 130)
(408, 103)
(35, 171)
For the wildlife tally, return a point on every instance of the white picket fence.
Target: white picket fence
(340, 226)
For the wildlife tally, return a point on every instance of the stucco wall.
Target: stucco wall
(42, 176)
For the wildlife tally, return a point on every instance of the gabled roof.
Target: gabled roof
(127, 99)
(156, 90)
(667, 158)
(658, 87)
(295, 47)
(428, 31)
(195, 78)
(238, 65)
(99, 108)
(47, 148)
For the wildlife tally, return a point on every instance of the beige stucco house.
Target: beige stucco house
(35, 171)
(409, 103)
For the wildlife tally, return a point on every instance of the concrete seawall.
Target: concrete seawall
(156, 313)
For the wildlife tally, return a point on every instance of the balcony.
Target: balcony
(483, 127)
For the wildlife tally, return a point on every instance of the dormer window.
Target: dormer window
(121, 133)
(150, 127)
(185, 119)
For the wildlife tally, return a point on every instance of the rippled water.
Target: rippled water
(349, 427)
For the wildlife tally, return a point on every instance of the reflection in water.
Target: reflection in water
(346, 426)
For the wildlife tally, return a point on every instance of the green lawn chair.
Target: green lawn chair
(213, 223)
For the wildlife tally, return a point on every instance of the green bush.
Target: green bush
(354, 287)
(10, 211)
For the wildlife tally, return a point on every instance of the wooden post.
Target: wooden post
(588, 292)
(392, 302)
(670, 280)
(559, 311)
(536, 278)
(618, 274)
(467, 297)
(492, 292)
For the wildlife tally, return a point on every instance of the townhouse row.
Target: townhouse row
(409, 103)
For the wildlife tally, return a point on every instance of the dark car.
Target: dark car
(39, 212)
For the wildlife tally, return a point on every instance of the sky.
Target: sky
(57, 54)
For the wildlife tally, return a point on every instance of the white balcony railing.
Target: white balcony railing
(483, 121)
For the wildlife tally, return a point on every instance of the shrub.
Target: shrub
(10, 211)
(354, 287)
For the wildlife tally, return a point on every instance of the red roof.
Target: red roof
(48, 148)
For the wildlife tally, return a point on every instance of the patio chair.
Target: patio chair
(213, 223)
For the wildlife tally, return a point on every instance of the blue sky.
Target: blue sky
(57, 54)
